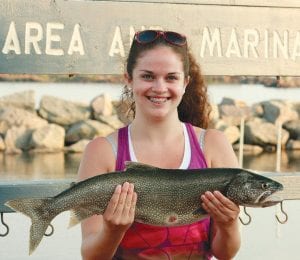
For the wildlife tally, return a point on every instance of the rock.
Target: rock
(257, 110)
(102, 106)
(214, 114)
(296, 106)
(293, 145)
(49, 138)
(23, 100)
(112, 121)
(10, 117)
(233, 102)
(77, 147)
(278, 111)
(293, 127)
(232, 115)
(2, 144)
(263, 133)
(17, 139)
(249, 149)
(63, 112)
(231, 132)
(87, 130)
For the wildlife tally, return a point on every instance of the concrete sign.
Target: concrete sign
(93, 37)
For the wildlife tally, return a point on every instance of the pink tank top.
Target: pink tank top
(143, 241)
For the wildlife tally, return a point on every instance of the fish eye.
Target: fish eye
(265, 185)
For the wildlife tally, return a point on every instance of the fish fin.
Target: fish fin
(138, 166)
(199, 212)
(77, 215)
(36, 209)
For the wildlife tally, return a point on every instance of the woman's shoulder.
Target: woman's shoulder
(100, 143)
(211, 136)
(98, 157)
(218, 149)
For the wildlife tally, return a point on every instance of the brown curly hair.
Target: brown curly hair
(194, 107)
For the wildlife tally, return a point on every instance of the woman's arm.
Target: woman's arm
(226, 240)
(101, 235)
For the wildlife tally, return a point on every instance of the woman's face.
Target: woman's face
(158, 83)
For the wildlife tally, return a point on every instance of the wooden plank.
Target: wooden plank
(30, 189)
(269, 3)
(57, 37)
(290, 182)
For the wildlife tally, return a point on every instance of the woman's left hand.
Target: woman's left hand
(219, 207)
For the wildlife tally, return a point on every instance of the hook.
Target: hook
(5, 225)
(249, 218)
(51, 232)
(284, 213)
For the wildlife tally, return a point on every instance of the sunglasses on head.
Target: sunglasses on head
(149, 36)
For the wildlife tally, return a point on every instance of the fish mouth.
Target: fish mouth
(268, 199)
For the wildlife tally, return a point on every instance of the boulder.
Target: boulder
(293, 145)
(23, 100)
(214, 115)
(77, 147)
(263, 133)
(278, 111)
(231, 132)
(102, 106)
(2, 144)
(232, 114)
(249, 149)
(87, 130)
(63, 112)
(257, 110)
(293, 127)
(112, 121)
(17, 139)
(10, 117)
(50, 138)
(296, 106)
(233, 102)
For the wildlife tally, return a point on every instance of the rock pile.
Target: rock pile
(262, 122)
(56, 125)
(59, 124)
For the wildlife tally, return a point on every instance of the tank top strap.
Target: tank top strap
(197, 158)
(123, 149)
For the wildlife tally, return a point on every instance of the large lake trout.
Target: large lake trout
(165, 197)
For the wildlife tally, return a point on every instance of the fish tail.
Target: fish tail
(36, 209)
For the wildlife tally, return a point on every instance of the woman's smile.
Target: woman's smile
(158, 100)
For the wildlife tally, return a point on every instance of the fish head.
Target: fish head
(253, 190)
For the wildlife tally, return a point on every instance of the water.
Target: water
(64, 166)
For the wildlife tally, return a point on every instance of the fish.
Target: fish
(166, 197)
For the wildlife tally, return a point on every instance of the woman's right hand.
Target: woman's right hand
(120, 211)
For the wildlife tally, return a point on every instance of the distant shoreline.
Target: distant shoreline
(267, 81)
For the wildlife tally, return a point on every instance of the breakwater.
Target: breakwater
(58, 124)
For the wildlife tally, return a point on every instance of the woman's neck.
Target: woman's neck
(155, 131)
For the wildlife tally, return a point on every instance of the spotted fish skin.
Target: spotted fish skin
(166, 197)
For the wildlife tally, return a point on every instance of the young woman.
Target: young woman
(167, 97)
